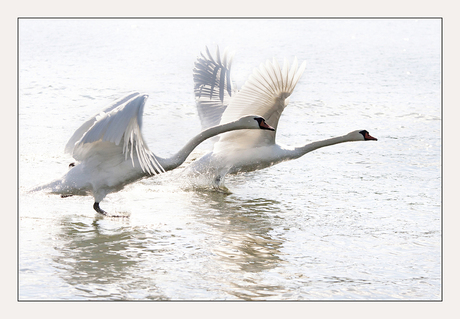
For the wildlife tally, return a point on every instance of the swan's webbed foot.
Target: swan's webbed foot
(219, 186)
(222, 189)
(98, 209)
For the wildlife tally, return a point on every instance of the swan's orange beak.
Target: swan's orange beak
(265, 126)
(368, 137)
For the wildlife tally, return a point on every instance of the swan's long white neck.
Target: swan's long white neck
(180, 157)
(302, 150)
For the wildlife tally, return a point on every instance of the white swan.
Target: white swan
(111, 152)
(266, 93)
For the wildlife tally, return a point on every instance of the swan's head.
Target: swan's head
(360, 135)
(254, 122)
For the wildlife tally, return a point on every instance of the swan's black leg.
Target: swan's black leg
(98, 209)
(103, 212)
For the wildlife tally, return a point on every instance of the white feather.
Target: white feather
(112, 153)
(266, 92)
(122, 121)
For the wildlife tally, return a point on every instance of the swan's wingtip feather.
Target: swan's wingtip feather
(303, 65)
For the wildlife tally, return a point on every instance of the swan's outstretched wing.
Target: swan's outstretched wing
(265, 93)
(87, 125)
(213, 87)
(120, 125)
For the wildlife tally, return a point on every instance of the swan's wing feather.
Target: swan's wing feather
(212, 86)
(87, 125)
(119, 124)
(265, 93)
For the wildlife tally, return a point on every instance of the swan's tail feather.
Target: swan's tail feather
(52, 186)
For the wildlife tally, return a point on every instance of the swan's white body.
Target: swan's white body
(111, 152)
(266, 92)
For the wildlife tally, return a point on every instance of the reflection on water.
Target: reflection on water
(99, 262)
(119, 259)
(246, 243)
(244, 228)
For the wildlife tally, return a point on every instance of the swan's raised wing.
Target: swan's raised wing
(265, 93)
(213, 87)
(87, 125)
(120, 125)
